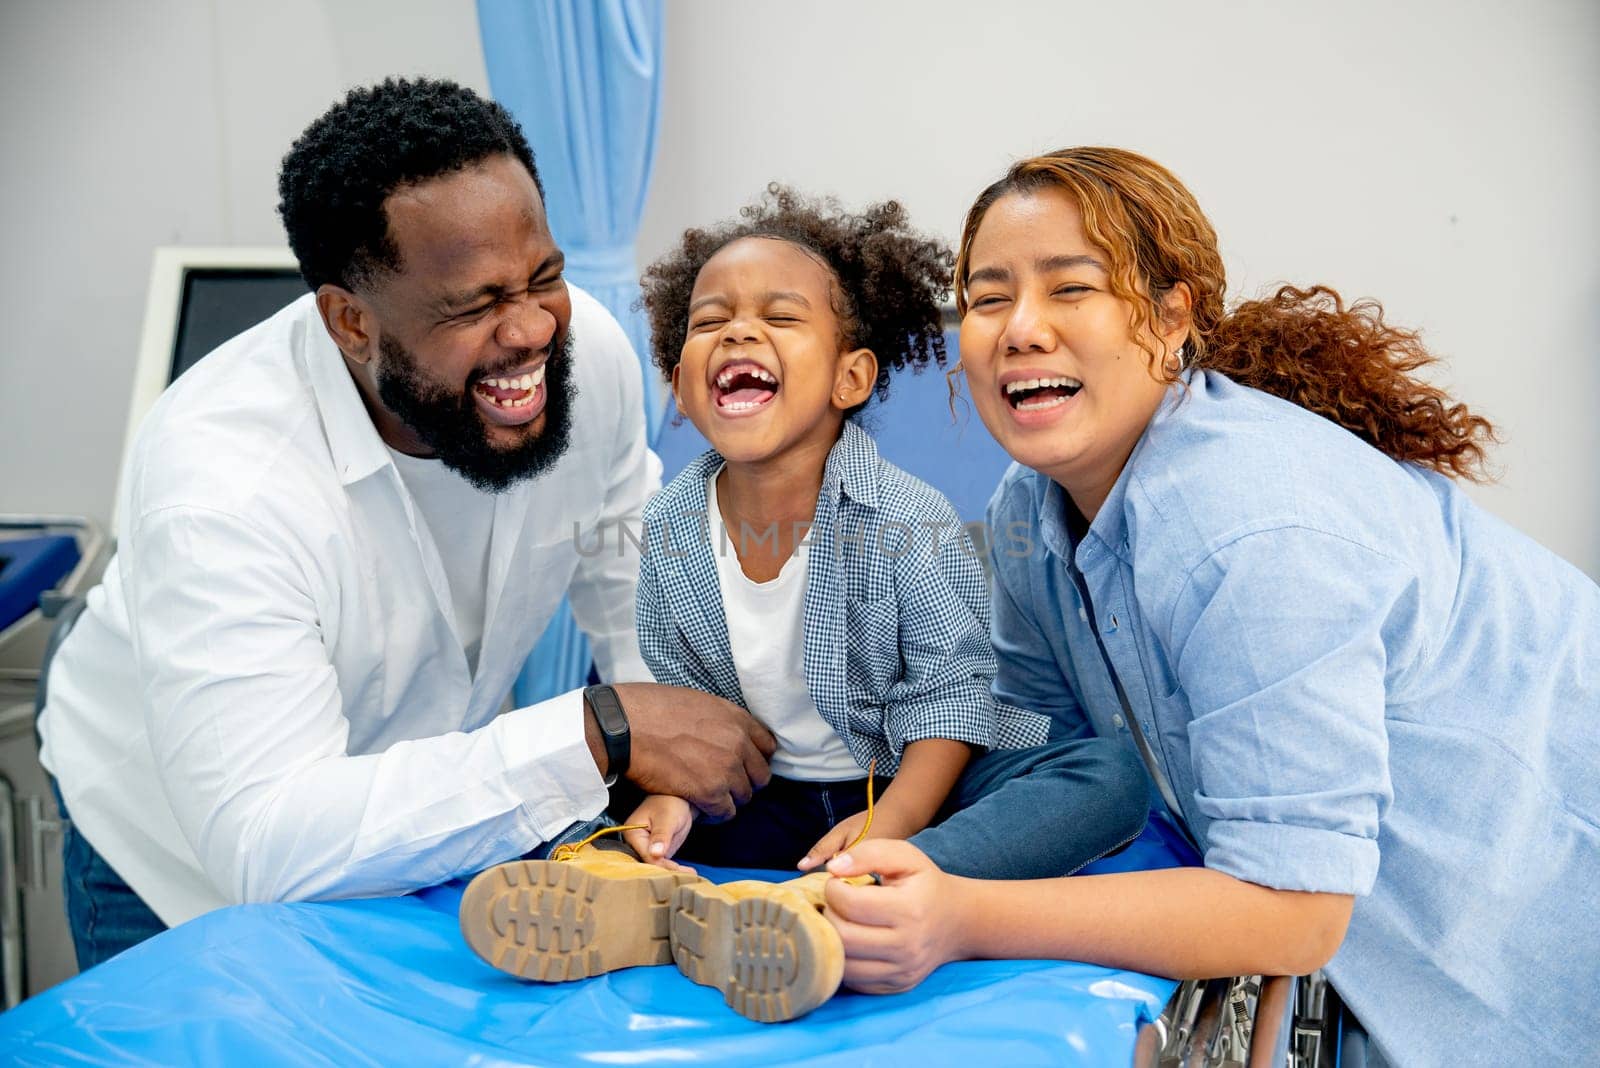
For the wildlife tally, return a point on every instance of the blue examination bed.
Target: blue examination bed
(389, 981)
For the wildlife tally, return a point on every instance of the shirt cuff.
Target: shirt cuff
(1284, 856)
(549, 765)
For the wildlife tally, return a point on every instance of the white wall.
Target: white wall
(128, 125)
(1440, 155)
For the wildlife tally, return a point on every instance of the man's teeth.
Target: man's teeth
(520, 386)
(1042, 383)
(725, 379)
(531, 380)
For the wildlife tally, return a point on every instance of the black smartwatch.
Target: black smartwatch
(603, 703)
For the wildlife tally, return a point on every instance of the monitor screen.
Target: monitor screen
(219, 302)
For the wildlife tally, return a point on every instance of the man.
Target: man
(341, 534)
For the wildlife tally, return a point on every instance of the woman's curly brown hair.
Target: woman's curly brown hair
(1305, 345)
(891, 280)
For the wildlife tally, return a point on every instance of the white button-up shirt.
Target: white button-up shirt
(267, 698)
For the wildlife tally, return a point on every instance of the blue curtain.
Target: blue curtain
(583, 77)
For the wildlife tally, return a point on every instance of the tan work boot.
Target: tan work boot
(766, 946)
(555, 920)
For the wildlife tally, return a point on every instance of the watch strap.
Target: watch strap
(606, 707)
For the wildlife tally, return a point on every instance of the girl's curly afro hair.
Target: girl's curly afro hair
(891, 280)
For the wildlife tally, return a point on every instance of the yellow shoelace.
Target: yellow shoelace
(872, 766)
(568, 850)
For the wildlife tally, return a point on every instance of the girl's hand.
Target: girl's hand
(895, 933)
(839, 838)
(666, 821)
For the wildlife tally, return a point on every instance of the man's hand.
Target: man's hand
(666, 822)
(692, 745)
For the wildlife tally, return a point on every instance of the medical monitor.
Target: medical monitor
(199, 298)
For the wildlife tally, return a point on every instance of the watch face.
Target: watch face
(607, 710)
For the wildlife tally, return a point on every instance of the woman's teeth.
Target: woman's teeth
(1037, 394)
(1053, 401)
(1042, 383)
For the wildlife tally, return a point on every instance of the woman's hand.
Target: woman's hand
(665, 824)
(895, 933)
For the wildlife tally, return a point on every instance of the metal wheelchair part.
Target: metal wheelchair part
(11, 944)
(1247, 1021)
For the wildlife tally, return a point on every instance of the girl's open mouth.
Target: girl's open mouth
(742, 387)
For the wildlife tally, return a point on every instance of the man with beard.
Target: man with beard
(342, 532)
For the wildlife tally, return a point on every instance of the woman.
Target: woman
(1233, 540)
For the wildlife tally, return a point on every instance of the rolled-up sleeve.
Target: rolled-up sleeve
(947, 665)
(1279, 643)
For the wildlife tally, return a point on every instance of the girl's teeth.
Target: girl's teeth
(727, 376)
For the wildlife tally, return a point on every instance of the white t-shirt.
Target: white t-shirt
(766, 635)
(461, 519)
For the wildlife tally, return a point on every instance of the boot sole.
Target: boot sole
(773, 958)
(553, 921)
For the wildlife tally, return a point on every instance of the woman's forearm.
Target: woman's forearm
(1186, 923)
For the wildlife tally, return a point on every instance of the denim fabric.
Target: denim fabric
(1357, 682)
(575, 833)
(1014, 814)
(1040, 812)
(105, 915)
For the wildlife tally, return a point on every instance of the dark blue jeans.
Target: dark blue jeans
(105, 915)
(1014, 814)
(778, 825)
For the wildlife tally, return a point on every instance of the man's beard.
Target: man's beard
(449, 423)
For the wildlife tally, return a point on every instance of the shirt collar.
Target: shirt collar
(1109, 531)
(852, 468)
(353, 440)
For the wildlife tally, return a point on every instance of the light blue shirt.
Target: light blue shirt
(1357, 682)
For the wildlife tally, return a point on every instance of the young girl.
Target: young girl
(795, 572)
(1373, 704)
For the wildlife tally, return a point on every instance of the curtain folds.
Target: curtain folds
(583, 77)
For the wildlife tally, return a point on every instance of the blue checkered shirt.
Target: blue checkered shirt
(896, 610)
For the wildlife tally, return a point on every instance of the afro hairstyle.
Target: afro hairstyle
(336, 177)
(890, 281)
